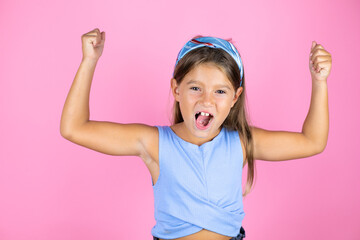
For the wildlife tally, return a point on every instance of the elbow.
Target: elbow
(316, 146)
(64, 129)
(320, 148)
(65, 133)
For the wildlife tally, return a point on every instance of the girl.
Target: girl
(196, 163)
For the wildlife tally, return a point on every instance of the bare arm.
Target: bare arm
(316, 125)
(105, 137)
(76, 108)
(282, 145)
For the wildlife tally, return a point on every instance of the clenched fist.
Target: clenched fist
(319, 62)
(93, 44)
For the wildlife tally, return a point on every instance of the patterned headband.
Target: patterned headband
(212, 42)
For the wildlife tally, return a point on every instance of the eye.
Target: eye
(194, 88)
(221, 91)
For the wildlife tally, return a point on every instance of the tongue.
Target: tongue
(203, 120)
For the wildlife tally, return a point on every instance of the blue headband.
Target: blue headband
(212, 42)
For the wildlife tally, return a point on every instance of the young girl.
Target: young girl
(196, 163)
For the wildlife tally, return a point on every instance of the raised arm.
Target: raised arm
(105, 137)
(282, 145)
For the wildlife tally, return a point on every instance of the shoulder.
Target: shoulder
(150, 132)
(149, 143)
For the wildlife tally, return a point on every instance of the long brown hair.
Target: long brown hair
(237, 118)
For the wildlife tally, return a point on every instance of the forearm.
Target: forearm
(76, 108)
(316, 124)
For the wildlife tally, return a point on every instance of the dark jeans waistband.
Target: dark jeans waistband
(240, 236)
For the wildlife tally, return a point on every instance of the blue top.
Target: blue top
(198, 186)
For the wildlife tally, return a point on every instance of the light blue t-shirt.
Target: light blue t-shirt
(198, 186)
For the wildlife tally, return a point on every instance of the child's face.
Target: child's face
(205, 89)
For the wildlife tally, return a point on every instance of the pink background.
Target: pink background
(53, 189)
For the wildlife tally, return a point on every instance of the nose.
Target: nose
(207, 99)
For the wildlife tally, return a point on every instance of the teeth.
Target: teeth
(204, 114)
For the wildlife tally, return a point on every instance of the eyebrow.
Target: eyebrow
(197, 82)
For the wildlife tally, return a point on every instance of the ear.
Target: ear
(237, 95)
(175, 89)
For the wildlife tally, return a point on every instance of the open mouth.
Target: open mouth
(203, 120)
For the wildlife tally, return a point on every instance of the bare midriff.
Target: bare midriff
(203, 234)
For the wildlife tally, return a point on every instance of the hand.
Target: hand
(319, 63)
(93, 44)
